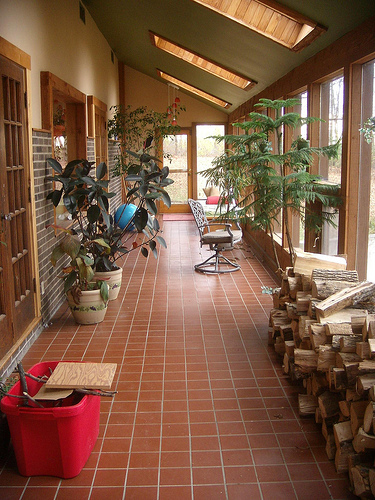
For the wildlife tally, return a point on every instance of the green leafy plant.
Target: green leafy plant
(259, 181)
(78, 275)
(135, 129)
(368, 129)
(86, 198)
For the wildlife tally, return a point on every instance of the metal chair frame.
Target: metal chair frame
(218, 241)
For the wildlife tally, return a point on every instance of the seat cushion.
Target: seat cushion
(215, 237)
(237, 235)
(212, 200)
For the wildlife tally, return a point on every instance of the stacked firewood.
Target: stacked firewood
(323, 325)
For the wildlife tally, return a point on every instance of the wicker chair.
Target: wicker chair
(218, 240)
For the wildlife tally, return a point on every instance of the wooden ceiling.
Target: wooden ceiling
(261, 48)
(201, 62)
(270, 19)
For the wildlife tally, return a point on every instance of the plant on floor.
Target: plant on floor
(87, 200)
(78, 275)
(266, 183)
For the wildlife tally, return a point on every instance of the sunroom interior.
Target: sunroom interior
(204, 408)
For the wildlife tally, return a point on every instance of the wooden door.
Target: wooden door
(17, 289)
(180, 170)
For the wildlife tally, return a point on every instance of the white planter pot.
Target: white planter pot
(91, 308)
(113, 280)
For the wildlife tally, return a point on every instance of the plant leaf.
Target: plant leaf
(151, 206)
(93, 214)
(101, 170)
(70, 245)
(140, 218)
(70, 203)
(55, 165)
(161, 241)
(104, 291)
(70, 280)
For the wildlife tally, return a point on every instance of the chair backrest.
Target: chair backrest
(200, 217)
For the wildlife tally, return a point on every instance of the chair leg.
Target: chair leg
(217, 261)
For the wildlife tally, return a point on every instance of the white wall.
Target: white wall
(52, 33)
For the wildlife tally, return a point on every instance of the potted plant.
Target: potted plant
(263, 181)
(87, 299)
(87, 200)
(144, 183)
(59, 121)
(138, 130)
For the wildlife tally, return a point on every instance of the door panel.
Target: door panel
(178, 148)
(17, 294)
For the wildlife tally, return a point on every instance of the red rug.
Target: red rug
(179, 217)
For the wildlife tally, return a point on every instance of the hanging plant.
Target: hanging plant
(140, 129)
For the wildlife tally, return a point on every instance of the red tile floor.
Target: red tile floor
(203, 411)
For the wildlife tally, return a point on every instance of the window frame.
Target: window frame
(313, 242)
(97, 108)
(358, 212)
(52, 87)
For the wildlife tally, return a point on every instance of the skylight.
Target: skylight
(270, 19)
(201, 62)
(193, 90)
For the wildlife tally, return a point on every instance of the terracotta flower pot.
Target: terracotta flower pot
(91, 308)
(113, 280)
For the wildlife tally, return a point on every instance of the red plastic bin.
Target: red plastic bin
(53, 441)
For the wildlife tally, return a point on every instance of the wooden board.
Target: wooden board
(343, 316)
(47, 394)
(82, 375)
(306, 262)
(347, 297)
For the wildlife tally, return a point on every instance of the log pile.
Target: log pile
(323, 325)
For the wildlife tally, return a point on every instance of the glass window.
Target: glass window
(207, 149)
(367, 170)
(298, 229)
(176, 158)
(60, 148)
(66, 118)
(331, 112)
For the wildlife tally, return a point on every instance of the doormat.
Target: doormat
(179, 217)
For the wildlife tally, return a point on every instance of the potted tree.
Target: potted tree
(263, 181)
(87, 299)
(87, 200)
(144, 184)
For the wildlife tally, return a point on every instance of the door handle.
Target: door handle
(6, 216)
